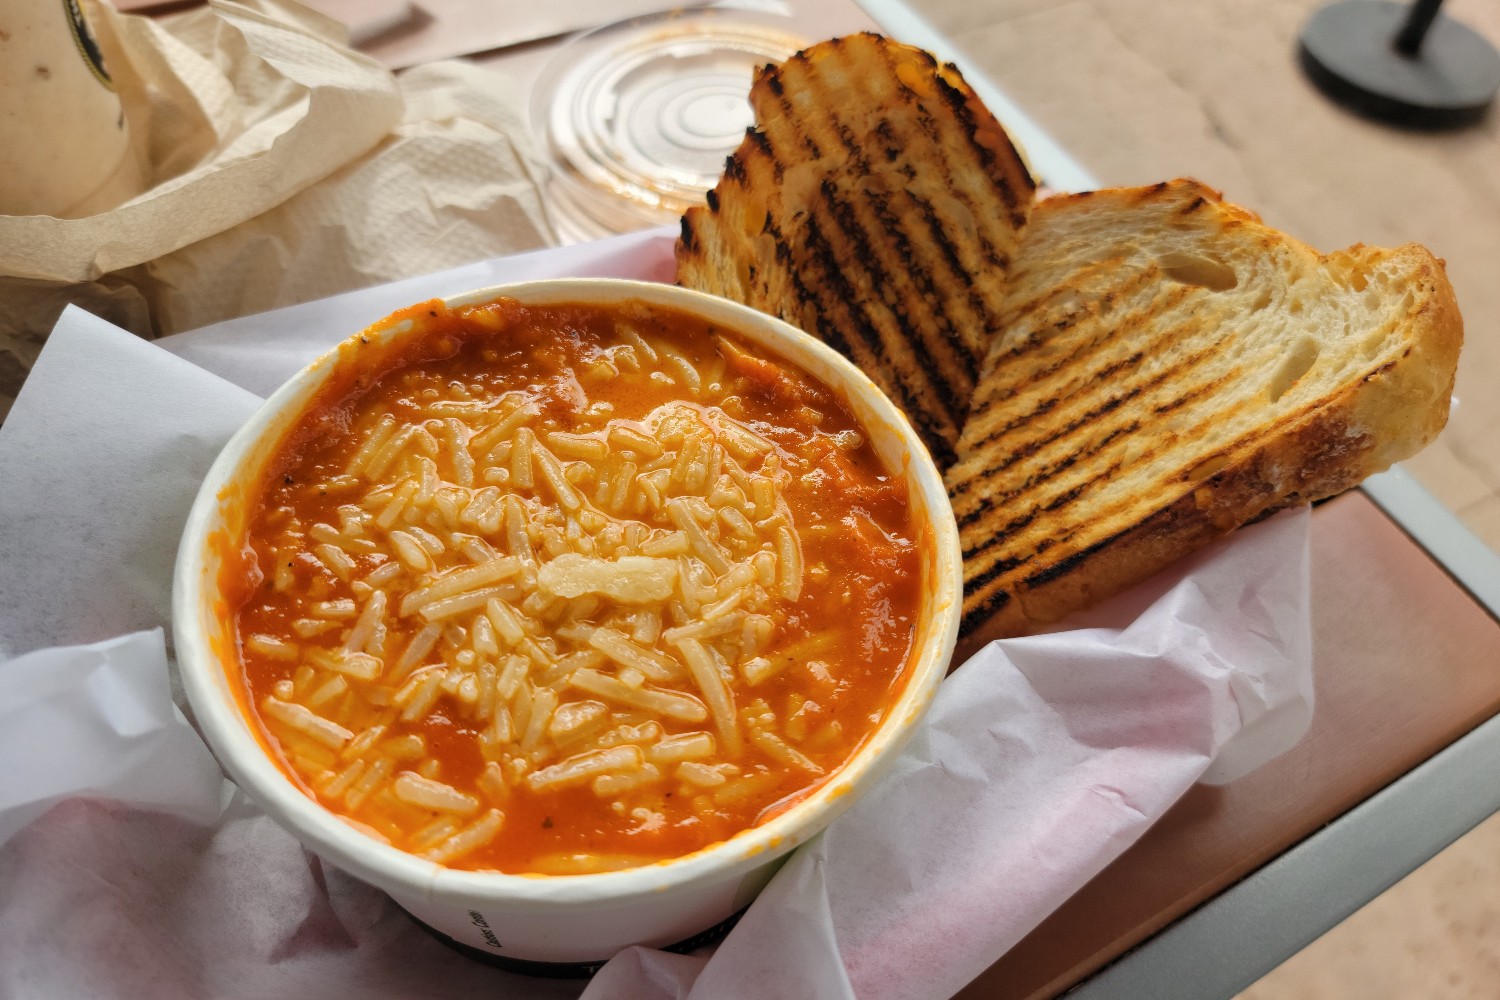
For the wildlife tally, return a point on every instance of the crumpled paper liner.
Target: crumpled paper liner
(284, 167)
(1042, 759)
(108, 710)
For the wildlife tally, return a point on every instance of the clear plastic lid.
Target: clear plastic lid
(637, 117)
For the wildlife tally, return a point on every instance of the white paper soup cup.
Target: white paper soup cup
(572, 918)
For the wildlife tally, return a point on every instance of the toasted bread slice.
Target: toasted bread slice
(876, 205)
(1170, 369)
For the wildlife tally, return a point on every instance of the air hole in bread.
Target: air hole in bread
(1207, 468)
(1191, 269)
(1299, 358)
(1262, 300)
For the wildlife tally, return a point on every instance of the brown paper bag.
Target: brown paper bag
(283, 167)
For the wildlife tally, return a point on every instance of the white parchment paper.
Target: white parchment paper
(1042, 760)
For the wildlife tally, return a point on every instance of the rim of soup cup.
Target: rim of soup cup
(203, 629)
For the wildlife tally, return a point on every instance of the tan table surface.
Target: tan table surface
(1404, 663)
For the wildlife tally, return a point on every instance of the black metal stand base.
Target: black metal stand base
(1400, 63)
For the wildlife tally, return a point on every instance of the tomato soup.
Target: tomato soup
(568, 589)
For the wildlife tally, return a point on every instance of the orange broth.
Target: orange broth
(826, 667)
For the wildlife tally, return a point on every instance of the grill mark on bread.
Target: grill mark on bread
(983, 578)
(1039, 480)
(1109, 269)
(1030, 448)
(757, 149)
(970, 517)
(983, 158)
(869, 337)
(734, 170)
(761, 140)
(826, 332)
(964, 360)
(1082, 348)
(989, 159)
(1070, 563)
(803, 297)
(1050, 403)
(1192, 395)
(931, 347)
(1016, 454)
(1024, 520)
(994, 538)
(1083, 380)
(937, 335)
(982, 610)
(938, 233)
(973, 555)
(867, 258)
(823, 305)
(943, 343)
(987, 249)
(989, 598)
(1092, 331)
